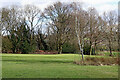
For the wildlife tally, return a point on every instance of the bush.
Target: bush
(27, 44)
(86, 50)
(68, 48)
(6, 45)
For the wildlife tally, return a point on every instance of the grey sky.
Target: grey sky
(100, 5)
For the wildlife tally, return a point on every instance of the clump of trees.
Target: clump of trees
(62, 27)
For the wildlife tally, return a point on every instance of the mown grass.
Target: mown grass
(52, 66)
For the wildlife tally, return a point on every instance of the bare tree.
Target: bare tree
(94, 31)
(32, 15)
(10, 22)
(111, 28)
(58, 17)
(119, 31)
(80, 24)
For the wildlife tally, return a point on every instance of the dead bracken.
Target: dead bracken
(98, 61)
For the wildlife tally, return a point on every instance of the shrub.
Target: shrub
(5, 43)
(68, 48)
(86, 50)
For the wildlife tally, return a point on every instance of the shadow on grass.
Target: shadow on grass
(39, 61)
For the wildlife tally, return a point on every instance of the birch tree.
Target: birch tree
(81, 23)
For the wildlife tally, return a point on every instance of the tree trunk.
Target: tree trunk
(59, 49)
(13, 50)
(79, 43)
(110, 48)
(95, 48)
(82, 55)
(90, 48)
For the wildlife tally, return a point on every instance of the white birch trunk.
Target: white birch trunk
(79, 43)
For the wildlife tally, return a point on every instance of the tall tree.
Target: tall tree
(58, 17)
(119, 30)
(1, 27)
(33, 18)
(10, 21)
(81, 22)
(93, 28)
(23, 36)
(111, 28)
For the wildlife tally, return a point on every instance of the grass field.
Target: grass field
(51, 66)
(107, 53)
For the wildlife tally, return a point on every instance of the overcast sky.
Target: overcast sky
(100, 5)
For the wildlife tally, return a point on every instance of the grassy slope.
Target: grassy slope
(52, 66)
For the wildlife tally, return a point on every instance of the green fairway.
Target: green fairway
(51, 66)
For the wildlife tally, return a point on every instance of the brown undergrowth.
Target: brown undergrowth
(98, 61)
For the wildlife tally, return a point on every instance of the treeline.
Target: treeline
(62, 27)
